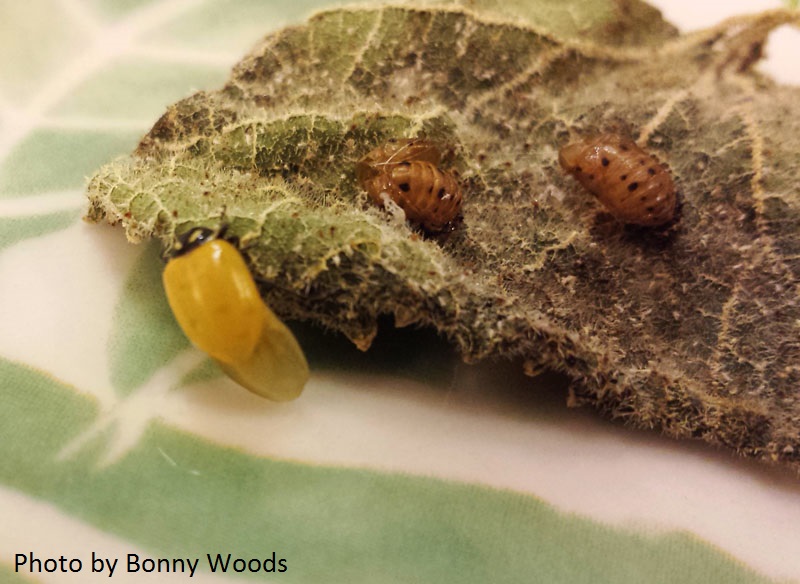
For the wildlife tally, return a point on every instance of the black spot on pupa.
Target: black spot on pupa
(651, 171)
(405, 187)
(624, 177)
(441, 193)
(633, 186)
(605, 161)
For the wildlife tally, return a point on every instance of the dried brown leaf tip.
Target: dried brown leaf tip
(695, 334)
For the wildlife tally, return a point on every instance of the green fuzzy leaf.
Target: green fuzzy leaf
(691, 330)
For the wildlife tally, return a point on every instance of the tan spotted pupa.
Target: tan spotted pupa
(630, 182)
(407, 171)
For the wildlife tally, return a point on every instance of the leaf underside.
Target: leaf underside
(694, 330)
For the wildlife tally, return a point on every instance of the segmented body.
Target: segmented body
(630, 182)
(407, 172)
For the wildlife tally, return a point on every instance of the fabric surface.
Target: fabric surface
(119, 441)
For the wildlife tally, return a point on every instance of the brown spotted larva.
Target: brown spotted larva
(632, 184)
(407, 171)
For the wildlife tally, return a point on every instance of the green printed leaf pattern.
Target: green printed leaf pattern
(14, 230)
(144, 336)
(9, 576)
(110, 419)
(335, 524)
(55, 160)
(151, 81)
